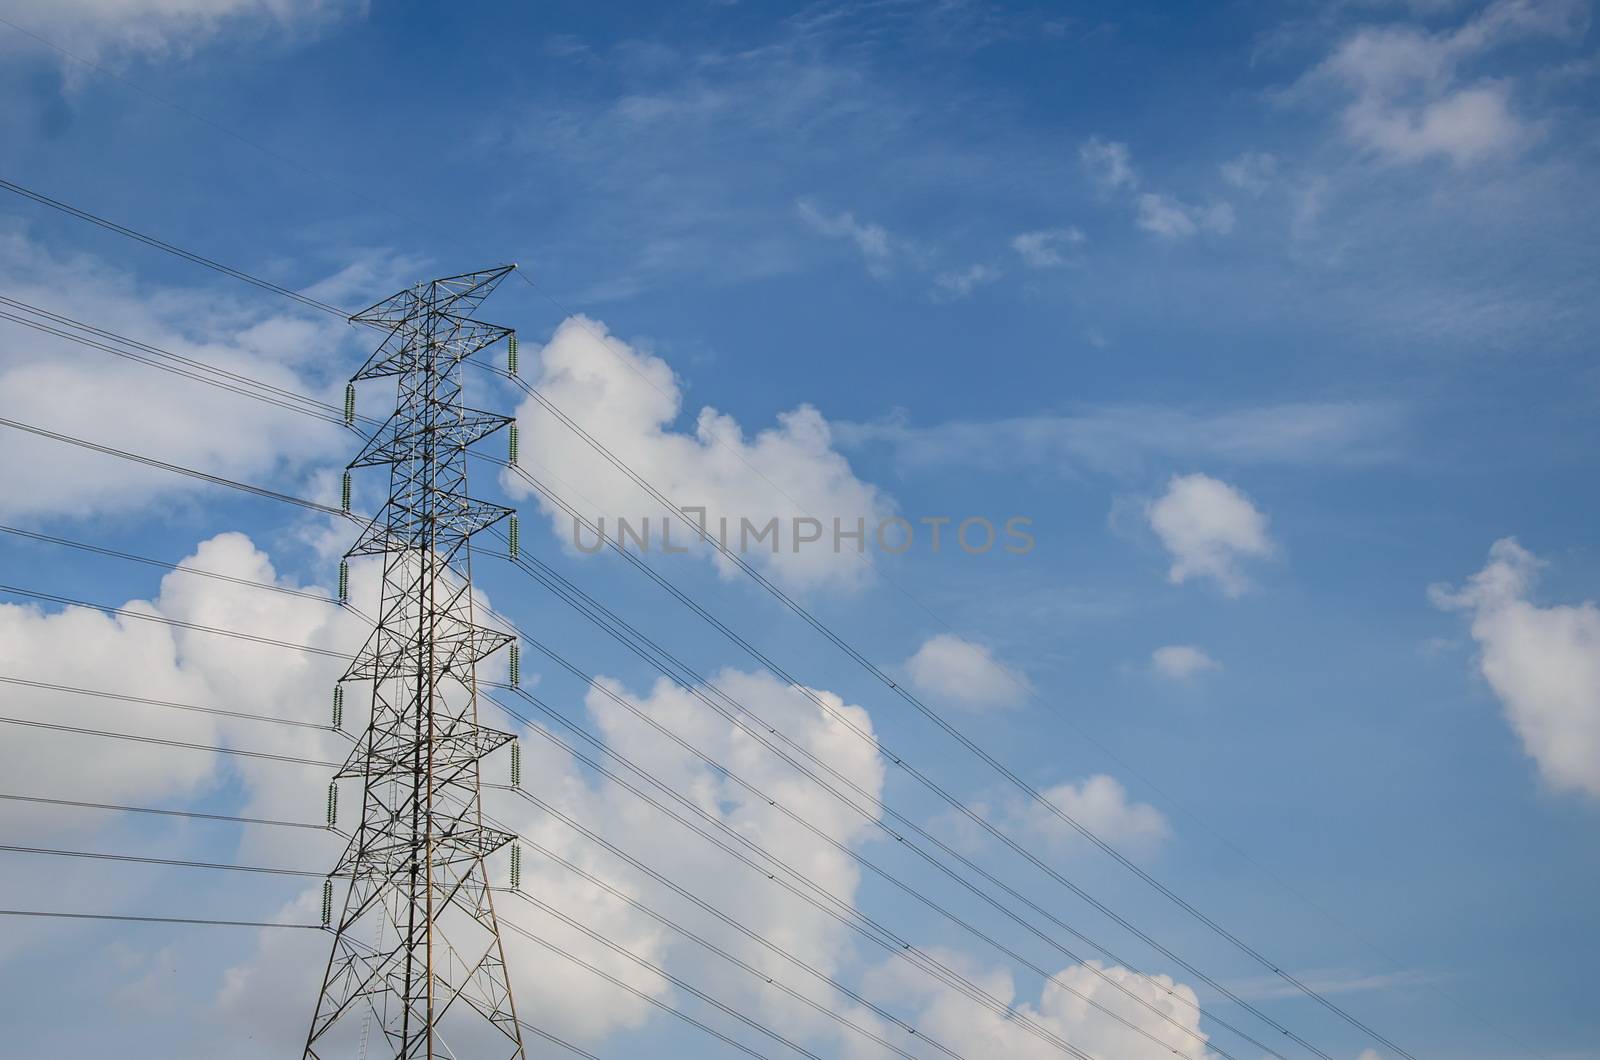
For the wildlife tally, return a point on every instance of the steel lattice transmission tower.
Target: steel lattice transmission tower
(417, 959)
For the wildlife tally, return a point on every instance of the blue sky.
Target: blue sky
(1274, 321)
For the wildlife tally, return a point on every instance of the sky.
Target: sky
(1214, 387)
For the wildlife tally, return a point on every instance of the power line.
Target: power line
(223, 866)
(193, 814)
(692, 689)
(58, 914)
(123, 697)
(841, 910)
(274, 642)
(160, 741)
(180, 568)
(949, 798)
(162, 465)
(744, 965)
(152, 241)
(650, 999)
(587, 678)
(924, 779)
(1032, 793)
(197, 627)
(677, 981)
(175, 370)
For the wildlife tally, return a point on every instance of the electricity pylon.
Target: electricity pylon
(417, 959)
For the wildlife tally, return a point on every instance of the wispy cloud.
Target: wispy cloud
(1122, 439)
(872, 241)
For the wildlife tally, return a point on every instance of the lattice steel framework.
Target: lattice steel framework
(417, 959)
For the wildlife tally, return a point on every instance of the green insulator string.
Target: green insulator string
(511, 445)
(516, 866)
(333, 804)
(516, 765)
(349, 404)
(516, 664)
(511, 354)
(344, 581)
(327, 902)
(514, 536)
(345, 492)
(338, 706)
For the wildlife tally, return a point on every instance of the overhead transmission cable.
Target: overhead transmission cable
(1016, 780)
(163, 742)
(949, 798)
(171, 704)
(180, 568)
(57, 914)
(163, 465)
(159, 811)
(1009, 913)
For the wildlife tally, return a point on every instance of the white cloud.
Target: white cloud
(1542, 662)
(631, 399)
(1100, 803)
(1171, 218)
(1182, 662)
(1047, 248)
(976, 1031)
(61, 386)
(871, 240)
(1253, 171)
(964, 674)
(1110, 166)
(98, 29)
(1108, 163)
(1209, 528)
(86, 648)
(962, 282)
(1404, 92)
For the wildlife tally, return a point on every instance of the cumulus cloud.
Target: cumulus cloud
(974, 1031)
(1047, 248)
(1182, 662)
(62, 386)
(1407, 94)
(964, 674)
(631, 400)
(1210, 529)
(86, 648)
(1100, 803)
(872, 241)
(1542, 662)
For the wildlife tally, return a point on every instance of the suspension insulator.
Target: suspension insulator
(345, 492)
(516, 866)
(511, 445)
(327, 902)
(516, 664)
(516, 765)
(349, 404)
(511, 354)
(333, 804)
(338, 705)
(344, 581)
(514, 537)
